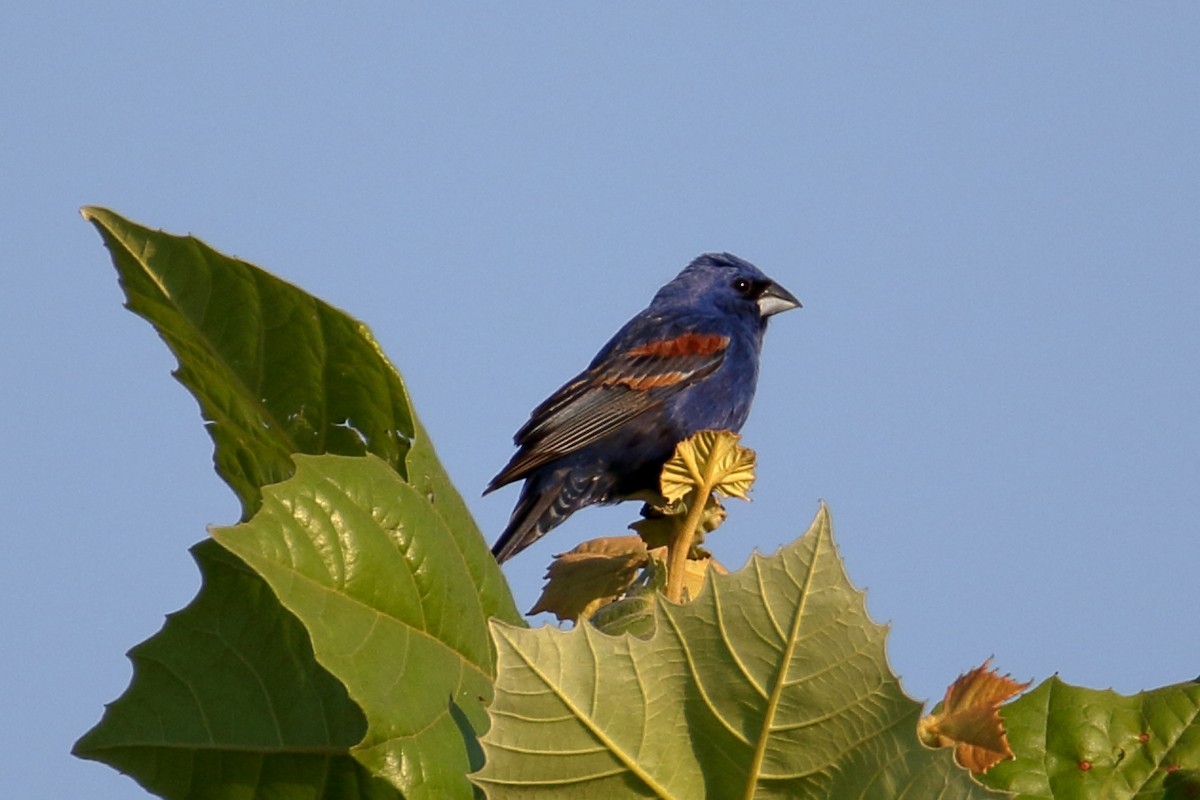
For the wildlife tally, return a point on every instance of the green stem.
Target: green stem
(681, 544)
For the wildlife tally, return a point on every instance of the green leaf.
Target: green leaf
(772, 683)
(633, 615)
(1182, 784)
(276, 372)
(1072, 742)
(220, 706)
(426, 475)
(366, 563)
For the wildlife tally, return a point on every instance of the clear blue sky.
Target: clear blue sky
(991, 214)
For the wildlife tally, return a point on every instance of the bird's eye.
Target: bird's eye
(742, 285)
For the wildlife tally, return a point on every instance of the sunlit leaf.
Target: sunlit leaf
(710, 461)
(366, 563)
(276, 372)
(773, 683)
(1073, 743)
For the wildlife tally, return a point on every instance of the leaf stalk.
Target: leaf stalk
(681, 544)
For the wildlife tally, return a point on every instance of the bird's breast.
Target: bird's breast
(722, 400)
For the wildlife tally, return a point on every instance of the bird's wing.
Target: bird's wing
(626, 382)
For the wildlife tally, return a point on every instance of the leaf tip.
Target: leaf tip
(92, 214)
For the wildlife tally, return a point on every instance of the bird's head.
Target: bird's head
(730, 284)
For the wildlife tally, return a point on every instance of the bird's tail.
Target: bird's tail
(546, 500)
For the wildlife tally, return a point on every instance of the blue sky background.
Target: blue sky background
(991, 214)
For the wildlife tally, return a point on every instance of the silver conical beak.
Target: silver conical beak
(775, 299)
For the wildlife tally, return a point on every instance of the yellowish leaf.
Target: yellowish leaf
(593, 574)
(969, 719)
(710, 461)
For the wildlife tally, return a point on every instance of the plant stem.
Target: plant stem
(681, 544)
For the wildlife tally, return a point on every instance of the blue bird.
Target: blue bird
(687, 363)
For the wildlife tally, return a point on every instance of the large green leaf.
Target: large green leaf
(1072, 742)
(275, 372)
(365, 562)
(233, 705)
(772, 683)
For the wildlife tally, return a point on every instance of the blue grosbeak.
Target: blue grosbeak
(687, 363)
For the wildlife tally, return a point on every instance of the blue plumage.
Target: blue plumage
(687, 363)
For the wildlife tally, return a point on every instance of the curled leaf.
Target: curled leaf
(658, 526)
(591, 575)
(632, 614)
(710, 461)
(969, 719)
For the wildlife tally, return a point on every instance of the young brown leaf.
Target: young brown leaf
(969, 720)
(710, 461)
(593, 574)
